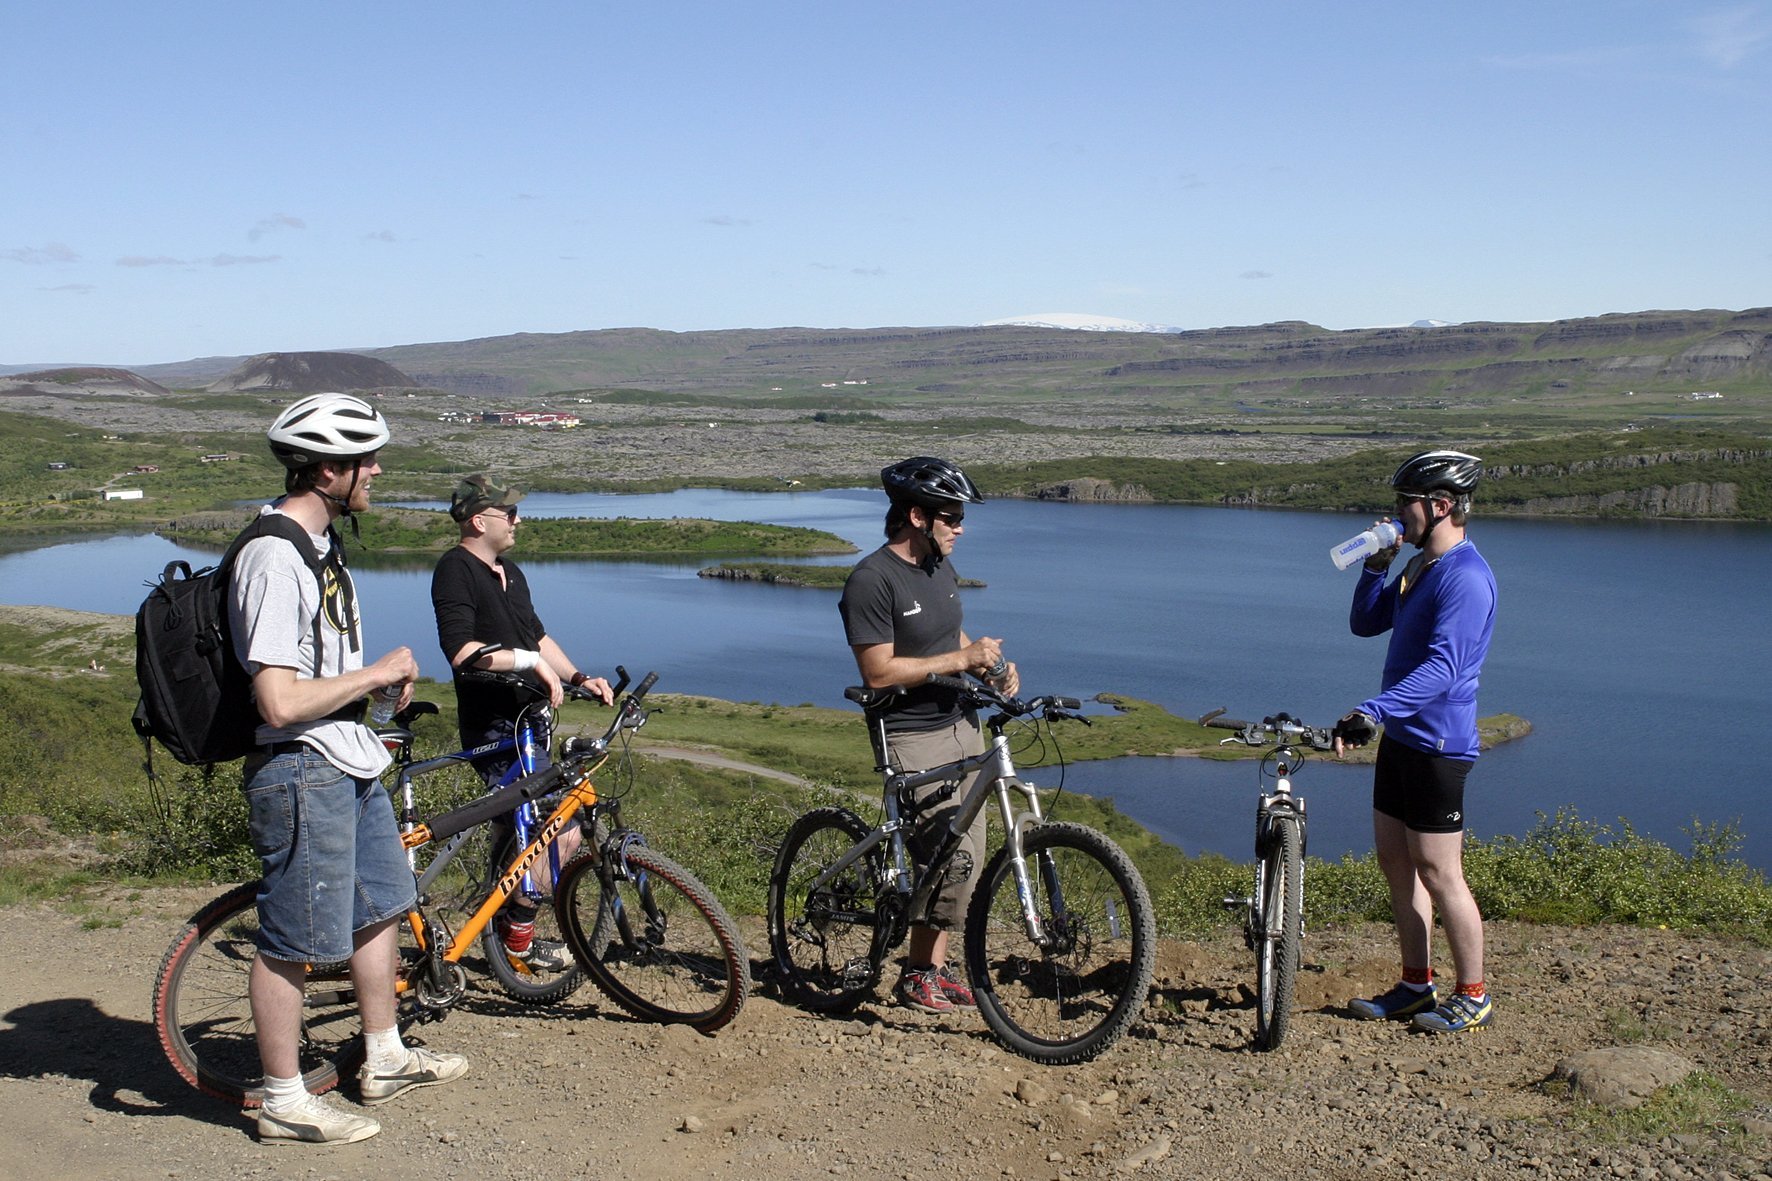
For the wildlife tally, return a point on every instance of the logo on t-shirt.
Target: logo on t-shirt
(335, 600)
(915, 608)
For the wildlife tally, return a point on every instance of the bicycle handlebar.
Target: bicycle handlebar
(973, 696)
(1277, 730)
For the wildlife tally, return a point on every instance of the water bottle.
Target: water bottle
(382, 703)
(1381, 536)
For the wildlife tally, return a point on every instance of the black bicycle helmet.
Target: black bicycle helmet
(326, 426)
(1438, 471)
(930, 482)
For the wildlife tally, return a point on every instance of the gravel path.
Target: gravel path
(581, 1090)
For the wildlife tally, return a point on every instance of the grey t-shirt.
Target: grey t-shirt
(272, 609)
(916, 609)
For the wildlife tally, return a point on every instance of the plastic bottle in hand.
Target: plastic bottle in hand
(1381, 536)
(382, 703)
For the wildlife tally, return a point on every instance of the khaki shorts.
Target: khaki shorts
(918, 750)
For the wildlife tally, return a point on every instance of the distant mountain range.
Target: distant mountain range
(1093, 356)
(1079, 322)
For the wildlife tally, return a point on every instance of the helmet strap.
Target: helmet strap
(343, 504)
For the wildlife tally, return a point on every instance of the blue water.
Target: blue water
(1638, 650)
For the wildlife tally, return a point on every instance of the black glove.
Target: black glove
(1356, 729)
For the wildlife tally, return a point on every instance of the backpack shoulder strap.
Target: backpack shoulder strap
(290, 530)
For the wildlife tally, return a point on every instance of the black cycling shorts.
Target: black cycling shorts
(1425, 792)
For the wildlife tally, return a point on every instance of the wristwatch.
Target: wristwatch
(578, 678)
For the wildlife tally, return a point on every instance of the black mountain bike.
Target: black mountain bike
(1060, 936)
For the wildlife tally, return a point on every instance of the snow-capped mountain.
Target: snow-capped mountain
(1079, 321)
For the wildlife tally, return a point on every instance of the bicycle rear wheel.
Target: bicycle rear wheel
(1277, 930)
(204, 1018)
(533, 980)
(826, 943)
(669, 951)
(1070, 998)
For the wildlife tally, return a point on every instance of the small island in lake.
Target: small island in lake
(785, 574)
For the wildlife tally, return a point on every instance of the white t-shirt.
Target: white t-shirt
(272, 609)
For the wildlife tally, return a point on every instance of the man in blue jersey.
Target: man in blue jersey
(901, 615)
(1440, 613)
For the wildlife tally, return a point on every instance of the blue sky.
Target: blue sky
(199, 178)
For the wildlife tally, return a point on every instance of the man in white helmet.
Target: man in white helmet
(335, 880)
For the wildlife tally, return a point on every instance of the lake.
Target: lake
(1638, 650)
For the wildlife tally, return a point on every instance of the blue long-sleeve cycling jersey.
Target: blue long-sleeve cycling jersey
(1440, 631)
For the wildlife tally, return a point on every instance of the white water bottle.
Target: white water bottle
(1381, 536)
(382, 703)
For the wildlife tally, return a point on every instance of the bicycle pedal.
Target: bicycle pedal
(1237, 903)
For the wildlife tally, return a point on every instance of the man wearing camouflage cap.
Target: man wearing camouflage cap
(481, 598)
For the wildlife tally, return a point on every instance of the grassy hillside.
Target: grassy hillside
(724, 824)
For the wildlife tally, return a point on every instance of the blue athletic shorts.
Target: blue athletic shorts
(331, 857)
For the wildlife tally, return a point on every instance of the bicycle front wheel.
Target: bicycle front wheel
(204, 1018)
(1278, 930)
(658, 943)
(826, 943)
(1069, 996)
(548, 972)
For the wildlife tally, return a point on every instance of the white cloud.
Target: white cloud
(725, 219)
(143, 260)
(381, 236)
(1729, 36)
(72, 288)
(1256, 275)
(240, 260)
(37, 255)
(275, 223)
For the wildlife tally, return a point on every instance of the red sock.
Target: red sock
(518, 936)
(1479, 990)
(1417, 976)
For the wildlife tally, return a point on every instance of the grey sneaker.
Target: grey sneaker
(314, 1121)
(422, 1068)
(1400, 1002)
(543, 955)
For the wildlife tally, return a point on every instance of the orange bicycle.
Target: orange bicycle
(651, 936)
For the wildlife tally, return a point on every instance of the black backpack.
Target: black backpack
(196, 698)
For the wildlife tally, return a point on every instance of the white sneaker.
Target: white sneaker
(422, 1068)
(314, 1121)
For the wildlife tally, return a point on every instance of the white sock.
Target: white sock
(282, 1094)
(383, 1047)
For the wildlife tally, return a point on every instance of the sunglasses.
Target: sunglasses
(509, 512)
(951, 520)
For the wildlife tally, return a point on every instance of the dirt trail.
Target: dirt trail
(581, 1090)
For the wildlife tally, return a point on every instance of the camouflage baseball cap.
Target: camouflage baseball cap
(479, 492)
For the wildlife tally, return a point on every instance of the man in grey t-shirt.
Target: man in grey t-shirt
(901, 615)
(335, 881)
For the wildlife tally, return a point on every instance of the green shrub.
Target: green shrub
(195, 825)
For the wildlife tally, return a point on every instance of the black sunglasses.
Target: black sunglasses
(508, 512)
(951, 520)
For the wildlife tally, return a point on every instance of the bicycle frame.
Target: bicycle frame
(527, 744)
(580, 795)
(1000, 779)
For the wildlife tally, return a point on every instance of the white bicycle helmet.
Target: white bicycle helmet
(326, 426)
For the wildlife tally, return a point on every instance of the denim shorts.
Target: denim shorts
(331, 855)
